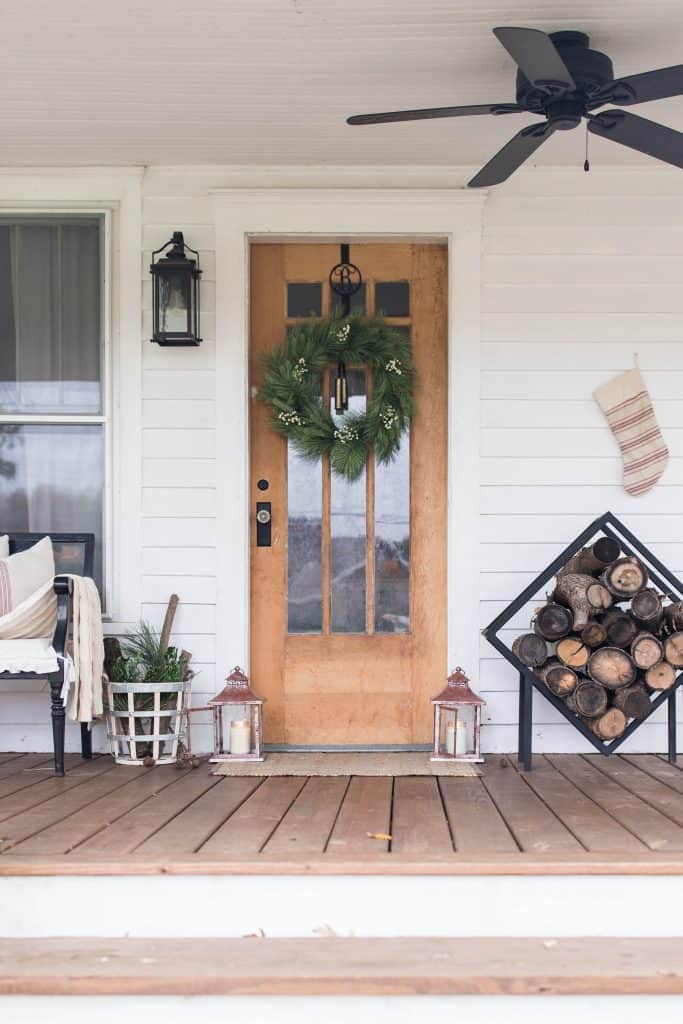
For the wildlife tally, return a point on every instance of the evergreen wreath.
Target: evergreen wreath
(292, 386)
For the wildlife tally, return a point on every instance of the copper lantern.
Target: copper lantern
(237, 736)
(457, 721)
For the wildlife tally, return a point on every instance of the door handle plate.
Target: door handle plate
(263, 524)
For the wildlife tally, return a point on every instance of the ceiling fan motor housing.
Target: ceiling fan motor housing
(591, 71)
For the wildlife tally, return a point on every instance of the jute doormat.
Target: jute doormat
(361, 763)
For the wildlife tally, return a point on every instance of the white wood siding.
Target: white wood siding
(576, 279)
(179, 528)
(579, 272)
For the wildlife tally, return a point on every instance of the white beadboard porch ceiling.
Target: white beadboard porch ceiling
(270, 82)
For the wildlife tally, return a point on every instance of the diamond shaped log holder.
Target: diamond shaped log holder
(606, 525)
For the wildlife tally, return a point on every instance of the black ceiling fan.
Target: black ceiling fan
(561, 79)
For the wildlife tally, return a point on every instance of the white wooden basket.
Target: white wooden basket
(146, 728)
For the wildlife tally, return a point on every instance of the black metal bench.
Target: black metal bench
(74, 554)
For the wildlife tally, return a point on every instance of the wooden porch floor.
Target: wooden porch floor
(571, 814)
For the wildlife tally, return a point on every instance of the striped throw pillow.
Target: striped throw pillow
(25, 572)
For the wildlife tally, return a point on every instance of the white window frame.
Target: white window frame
(115, 196)
(104, 418)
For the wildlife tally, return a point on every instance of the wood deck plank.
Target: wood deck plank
(418, 823)
(651, 827)
(192, 827)
(655, 793)
(534, 826)
(476, 823)
(13, 769)
(20, 827)
(342, 966)
(667, 773)
(10, 756)
(366, 809)
(254, 821)
(307, 825)
(66, 835)
(595, 829)
(39, 788)
(140, 823)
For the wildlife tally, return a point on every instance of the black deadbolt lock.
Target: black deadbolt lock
(263, 519)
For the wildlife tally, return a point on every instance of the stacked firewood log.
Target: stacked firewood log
(606, 642)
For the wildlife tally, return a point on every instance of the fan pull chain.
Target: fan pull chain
(586, 165)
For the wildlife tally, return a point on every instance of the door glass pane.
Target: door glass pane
(304, 299)
(392, 543)
(357, 301)
(304, 552)
(392, 298)
(348, 530)
(52, 479)
(50, 315)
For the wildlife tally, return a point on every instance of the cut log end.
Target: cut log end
(609, 726)
(531, 650)
(625, 577)
(553, 621)
(633, 700)
(590, 699)
(594, 634)
(559, 679)
(611, 667)
(673, 649)
(572, 652)
(646, 651)
(661, 676)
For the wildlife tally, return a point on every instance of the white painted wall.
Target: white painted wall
(578, 272)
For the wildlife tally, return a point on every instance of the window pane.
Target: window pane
(174, 307)
(304, 553)
(52, 479)
(50, 315)
(357, 301)
(348, 530)
(392, 298)
(305, 299)
(392, 543)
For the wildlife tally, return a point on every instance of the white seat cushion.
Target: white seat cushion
(37, 656)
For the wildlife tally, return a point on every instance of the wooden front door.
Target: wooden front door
(348, 604)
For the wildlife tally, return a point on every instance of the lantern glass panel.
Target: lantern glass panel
(175, 302)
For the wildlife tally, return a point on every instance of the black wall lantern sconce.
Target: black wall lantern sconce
(175, 279)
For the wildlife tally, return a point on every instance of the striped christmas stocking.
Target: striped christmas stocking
(627, 406)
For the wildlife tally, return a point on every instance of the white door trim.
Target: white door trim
(243, 216)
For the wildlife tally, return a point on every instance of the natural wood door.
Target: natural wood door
(348, 604)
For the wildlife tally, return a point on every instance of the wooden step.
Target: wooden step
(341, 966)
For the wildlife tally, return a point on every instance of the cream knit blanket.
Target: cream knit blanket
(84, 701)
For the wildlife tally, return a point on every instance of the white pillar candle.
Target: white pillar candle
(456, 737)
(461, 738)
(240, 736)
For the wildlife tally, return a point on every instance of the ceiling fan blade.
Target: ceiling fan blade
(651, 85)
(537, 57)
(430, 112)
(639, 133)
(512, 155)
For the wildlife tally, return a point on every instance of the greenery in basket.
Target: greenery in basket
(143, 660)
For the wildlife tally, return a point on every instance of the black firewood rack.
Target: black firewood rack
(606, 525)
